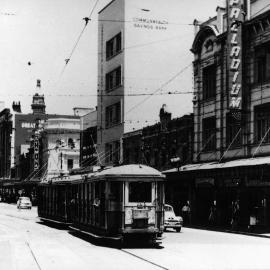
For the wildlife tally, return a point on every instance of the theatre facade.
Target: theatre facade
(231, 119)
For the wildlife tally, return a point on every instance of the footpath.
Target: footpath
(257, 231)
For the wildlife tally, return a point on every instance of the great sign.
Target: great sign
(235, 19)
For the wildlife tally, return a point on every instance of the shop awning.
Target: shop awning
(215, 165)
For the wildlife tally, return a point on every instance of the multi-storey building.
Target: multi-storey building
(60, 145)
(162, 145)
(122, 23)
(5, 143)
(88, 140)
(231, 117)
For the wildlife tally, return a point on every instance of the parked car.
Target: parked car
(171, 220)
(24, 202)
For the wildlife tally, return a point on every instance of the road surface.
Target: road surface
(27, 244)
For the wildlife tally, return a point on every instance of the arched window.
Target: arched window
(71, 143)
(209, 45)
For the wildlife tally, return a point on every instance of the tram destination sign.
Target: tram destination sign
(234, 41)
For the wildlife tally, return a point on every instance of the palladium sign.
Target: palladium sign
(235, 19)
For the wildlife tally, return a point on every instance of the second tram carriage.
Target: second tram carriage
(118, 202)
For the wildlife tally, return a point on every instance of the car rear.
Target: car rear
(24, 203)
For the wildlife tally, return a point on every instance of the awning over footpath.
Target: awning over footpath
(216, 165)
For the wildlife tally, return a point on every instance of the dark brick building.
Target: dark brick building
(163, 145)
(5, 143)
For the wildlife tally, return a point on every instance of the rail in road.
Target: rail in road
(127, 252)
(143, 259)
(33, 255)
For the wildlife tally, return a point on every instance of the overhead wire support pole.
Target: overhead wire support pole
(209, 139)
(228, 148)
(255, 152)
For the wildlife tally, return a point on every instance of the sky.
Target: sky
(38, 35)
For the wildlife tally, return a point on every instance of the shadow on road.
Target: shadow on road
(58, 226)
(128, 243)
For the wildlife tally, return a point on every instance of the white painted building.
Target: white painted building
(61, 145)
(127, 66)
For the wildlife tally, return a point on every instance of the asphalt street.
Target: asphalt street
(26, 244)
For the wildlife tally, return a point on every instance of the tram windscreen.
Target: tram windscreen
(140, 191)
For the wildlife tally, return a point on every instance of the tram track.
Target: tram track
(145, 260)
(33, 255)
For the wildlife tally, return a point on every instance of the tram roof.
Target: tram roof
(132, 170)
(136, 170)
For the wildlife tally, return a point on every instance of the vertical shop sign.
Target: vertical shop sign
(36, 151)
(235, 19)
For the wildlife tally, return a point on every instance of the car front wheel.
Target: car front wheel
(178, 229)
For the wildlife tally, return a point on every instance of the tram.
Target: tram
(118, 203)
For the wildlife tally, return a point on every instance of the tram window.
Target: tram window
(116, 191)
(140, 192)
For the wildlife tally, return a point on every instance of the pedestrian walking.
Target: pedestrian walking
(212, 219)
(235, 215)
(186, 213)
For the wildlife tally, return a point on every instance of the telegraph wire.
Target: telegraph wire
(160, 88)
(112, 95)
(86, 19)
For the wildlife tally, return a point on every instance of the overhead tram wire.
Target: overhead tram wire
(160, 88)
(112, 95)
(86, 19)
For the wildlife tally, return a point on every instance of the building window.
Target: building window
(114, 46)
(71, 143)
(233, 132)
(70, 164)
(209, 133)
(262, 63)
(112, 150)
(209, 82)
(113, 115)
(209, 45)
(113, 79)
(262, 123)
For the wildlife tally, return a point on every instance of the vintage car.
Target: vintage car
(24, 202)
(171, 220)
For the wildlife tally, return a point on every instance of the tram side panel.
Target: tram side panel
(114, 206)
(54, 202)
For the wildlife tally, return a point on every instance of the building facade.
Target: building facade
(5, 143)
(162, 146)
(122, 23)
(133, 147)
(60, 141)
(231, 121)
(88, 140)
